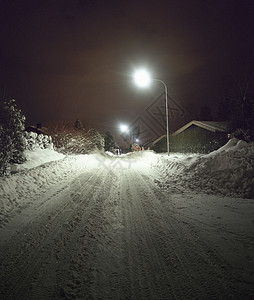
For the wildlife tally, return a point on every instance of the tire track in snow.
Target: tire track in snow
(78, 273)
(36, 241)
(111, 279)
(154, 277)
(199, 270)
(111, 235)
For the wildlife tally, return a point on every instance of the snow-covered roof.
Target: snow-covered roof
(208, 125)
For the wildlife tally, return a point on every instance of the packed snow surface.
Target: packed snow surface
(134, 226)
(226, 171)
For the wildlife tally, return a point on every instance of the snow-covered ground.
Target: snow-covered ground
(136, 226)
(43, 169)
(228, 171)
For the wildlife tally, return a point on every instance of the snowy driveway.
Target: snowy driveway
(114, 230)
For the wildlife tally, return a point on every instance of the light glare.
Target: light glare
(142, 78)
(123, 128)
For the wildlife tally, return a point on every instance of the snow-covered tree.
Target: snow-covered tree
(12, 133)
(70, 139)
(5, 151)
(109, 141)
(96, 139)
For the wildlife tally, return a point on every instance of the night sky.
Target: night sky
(62, 60)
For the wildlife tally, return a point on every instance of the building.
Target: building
(195, 137)
(199, 137)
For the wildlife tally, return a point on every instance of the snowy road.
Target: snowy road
(115, 232)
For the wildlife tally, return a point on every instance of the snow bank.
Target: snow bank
(227, 171)
(43, 169)
(231, 145)
(38, 157)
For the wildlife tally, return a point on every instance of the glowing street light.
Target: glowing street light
(124, 128)
(142, 79)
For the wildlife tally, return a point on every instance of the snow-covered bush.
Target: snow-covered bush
(38, 141)
(135, 147)
(74, 139)
(73, 142)
(12, 139)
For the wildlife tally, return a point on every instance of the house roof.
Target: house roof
(38, 130)
(208, 125)
(158, 139)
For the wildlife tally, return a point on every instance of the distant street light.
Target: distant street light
(143, 79)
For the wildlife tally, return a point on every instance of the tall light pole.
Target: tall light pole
(142, 79)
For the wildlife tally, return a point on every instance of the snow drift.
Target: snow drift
(226, 171)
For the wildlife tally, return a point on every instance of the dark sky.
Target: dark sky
(69, 59)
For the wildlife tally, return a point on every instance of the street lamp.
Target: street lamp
(124, 128)
(143, 79)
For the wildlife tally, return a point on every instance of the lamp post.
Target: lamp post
(142, 79)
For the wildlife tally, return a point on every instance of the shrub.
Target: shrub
(69, 139)
(12, 139)
(37, 141)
